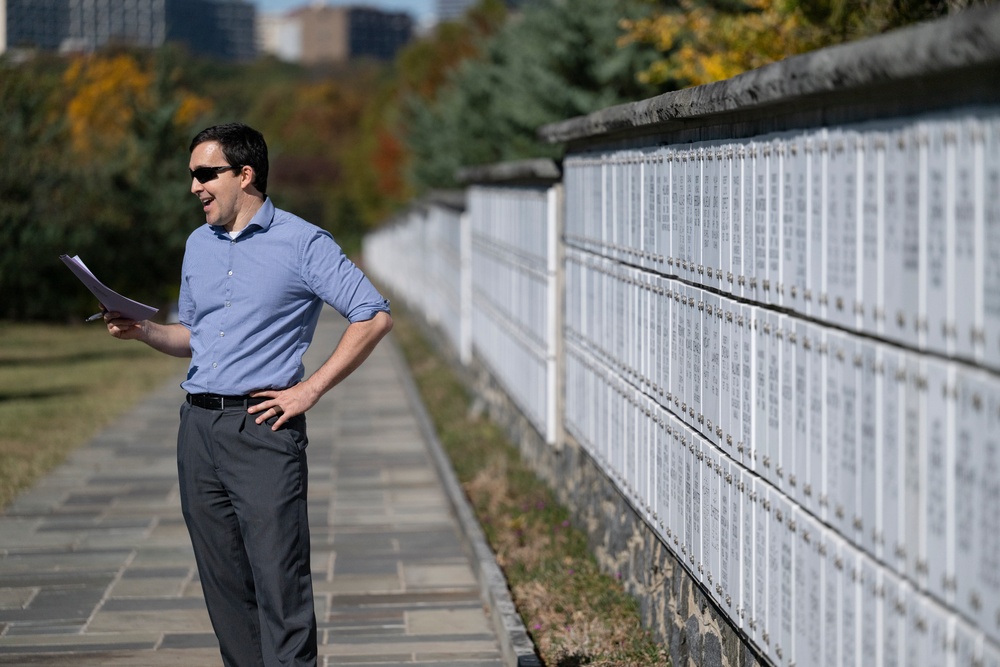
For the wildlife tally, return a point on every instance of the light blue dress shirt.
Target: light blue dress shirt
(252, 303)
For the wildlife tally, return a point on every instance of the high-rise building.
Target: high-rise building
(376, 34)
(217, 28)
(334, 34)
(221, 28)
(37, 24)
(280, 35)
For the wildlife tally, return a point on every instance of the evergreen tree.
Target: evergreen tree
(557, 59)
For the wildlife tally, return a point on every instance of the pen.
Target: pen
(95, 316)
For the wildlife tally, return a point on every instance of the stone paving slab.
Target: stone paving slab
(96, 566)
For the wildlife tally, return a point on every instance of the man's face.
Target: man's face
(219, 196)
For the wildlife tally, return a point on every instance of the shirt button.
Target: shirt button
(230, 273)
(221, 334)
(215, 364)
(228, 304)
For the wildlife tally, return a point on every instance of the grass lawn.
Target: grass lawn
(59, 385)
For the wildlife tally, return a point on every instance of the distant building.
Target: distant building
(217, 28)
(224, 29)
(324, 35)
(377, 34)
(37, 24)
(327, 34)
(280, 35)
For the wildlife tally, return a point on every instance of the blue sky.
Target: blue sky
(422, 10)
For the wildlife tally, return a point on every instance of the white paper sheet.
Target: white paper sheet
(111, 300)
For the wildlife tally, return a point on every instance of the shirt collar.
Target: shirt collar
(261, 220)
(264, 215)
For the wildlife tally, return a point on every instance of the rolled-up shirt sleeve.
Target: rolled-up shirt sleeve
(338, 281)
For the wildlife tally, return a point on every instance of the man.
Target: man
(254, 280)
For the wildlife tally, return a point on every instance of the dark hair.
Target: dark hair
(242, 145)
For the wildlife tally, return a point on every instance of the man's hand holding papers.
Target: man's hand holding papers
(110, 300)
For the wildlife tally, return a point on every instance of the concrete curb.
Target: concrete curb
(516, 646)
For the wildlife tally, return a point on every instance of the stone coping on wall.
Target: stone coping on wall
(450, 199)
(945, 63)
(539, 171)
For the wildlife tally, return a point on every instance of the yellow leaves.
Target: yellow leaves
(108, 91)
(704, 44)
(107, 94)
(190, 108)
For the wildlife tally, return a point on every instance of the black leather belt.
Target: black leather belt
(219, 402)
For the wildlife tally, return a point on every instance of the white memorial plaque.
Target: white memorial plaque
(890, 460)
(893, 619)
(871, 288)
(839, 162)
(727, 251)
(937, 219)
(988, 569)
(762, 521)
(784, 625)
(678, 193)
(991, 246)
(867, 516)
(785, 465)
(870, 605)
(968, 441)
(748, 441)
(850, 607)
(663, 211)
(914, 434)
(938, 467)
(712, 362)
(966, 247)
(695, 210)
(725, 408)
(775, 221)
(836, 367)
(834, 584)
(795, 273)
(760, 155)
(817, 150)
(712, 217)
(711, 516)
(742, 227)
(892, 268)
(808, 648)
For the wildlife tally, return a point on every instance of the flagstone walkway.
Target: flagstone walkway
(96, 567)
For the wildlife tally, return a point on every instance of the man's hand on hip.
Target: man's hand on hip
(283, 404)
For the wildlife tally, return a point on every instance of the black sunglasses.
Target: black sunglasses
(206, 174)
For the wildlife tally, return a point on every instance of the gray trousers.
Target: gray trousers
(243, 495)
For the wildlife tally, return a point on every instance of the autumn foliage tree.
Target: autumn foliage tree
(701, 41)
(92, 167)
(379, 180)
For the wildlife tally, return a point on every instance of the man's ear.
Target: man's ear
(247, 176)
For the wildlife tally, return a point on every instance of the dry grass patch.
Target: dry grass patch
(59, 385)
(576, 615)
